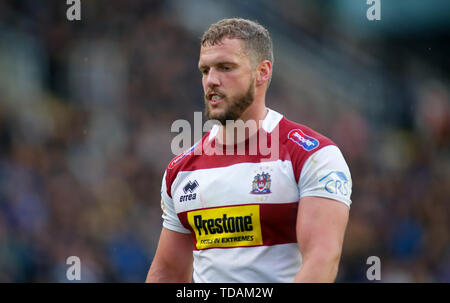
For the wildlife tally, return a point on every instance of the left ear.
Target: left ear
(263, 72)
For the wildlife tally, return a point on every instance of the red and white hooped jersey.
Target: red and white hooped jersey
(241, 209)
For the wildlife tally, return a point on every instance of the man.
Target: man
(242, 217)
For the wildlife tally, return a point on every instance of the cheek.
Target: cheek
(233, 83)
(204, 84)
(240, 79)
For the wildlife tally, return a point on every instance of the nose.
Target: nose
(212, 78)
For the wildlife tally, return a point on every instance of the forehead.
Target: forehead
(227, 50)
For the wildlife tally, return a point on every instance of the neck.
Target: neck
(247, 125)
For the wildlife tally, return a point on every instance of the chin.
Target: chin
(219, 117)
(215, 113)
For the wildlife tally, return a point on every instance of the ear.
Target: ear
(263, 72)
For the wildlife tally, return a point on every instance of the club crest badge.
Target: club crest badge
(261, 184)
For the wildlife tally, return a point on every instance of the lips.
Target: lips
(215, 102)
(214, 98)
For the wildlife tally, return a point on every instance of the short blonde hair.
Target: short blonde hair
(257, 40)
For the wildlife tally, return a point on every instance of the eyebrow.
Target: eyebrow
(202, 66)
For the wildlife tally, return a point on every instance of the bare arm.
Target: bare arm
(173, 258)
(321, 225)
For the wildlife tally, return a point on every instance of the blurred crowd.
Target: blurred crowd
(86, 109)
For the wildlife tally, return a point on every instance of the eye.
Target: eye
(225, 67)
(204, 71)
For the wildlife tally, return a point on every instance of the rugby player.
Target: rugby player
(241, 217)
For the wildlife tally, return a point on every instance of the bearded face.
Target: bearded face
(228, 79)
(231, 107)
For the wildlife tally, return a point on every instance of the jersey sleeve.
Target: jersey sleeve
(326, 174)
(169, 215)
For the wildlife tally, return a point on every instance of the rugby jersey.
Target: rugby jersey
(241, 209)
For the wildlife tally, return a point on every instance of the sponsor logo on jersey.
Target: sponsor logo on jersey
(308, 143)
(188, 189)
(335, 182)
(261, 184)
(188, 197)
(230, 226)
(178, 158)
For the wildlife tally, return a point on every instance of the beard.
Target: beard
(235, 106)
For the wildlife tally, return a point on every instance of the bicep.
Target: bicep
(173, 258)
(321, 224)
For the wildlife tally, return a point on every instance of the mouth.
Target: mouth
(214, 98)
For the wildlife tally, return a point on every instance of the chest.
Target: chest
(244, 183)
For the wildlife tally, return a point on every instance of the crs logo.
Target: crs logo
(308, 143)
(336, 182)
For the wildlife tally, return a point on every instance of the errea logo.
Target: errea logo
(188, 189)
(190, 186)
